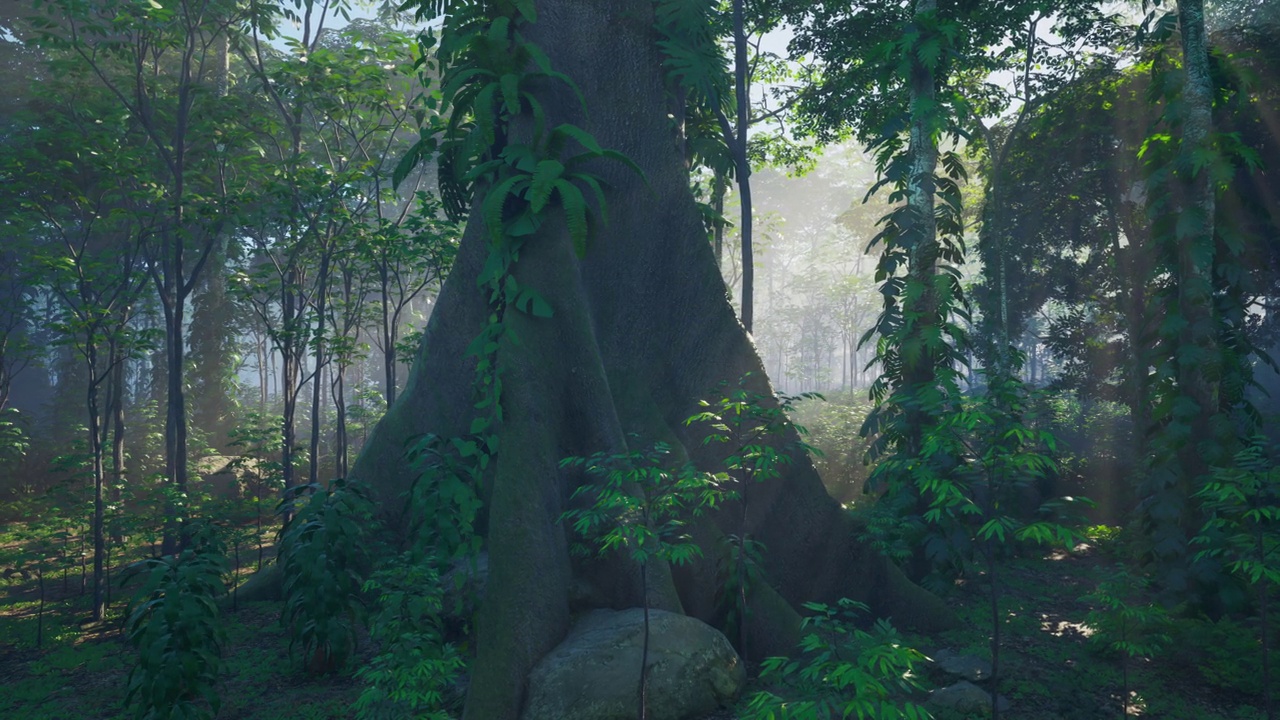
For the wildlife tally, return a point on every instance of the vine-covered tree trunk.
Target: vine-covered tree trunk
(919, 369)
(641, 330)
(1199, 360)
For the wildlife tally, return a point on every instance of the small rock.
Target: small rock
(968, 667)
(593, 674)
(965, 697)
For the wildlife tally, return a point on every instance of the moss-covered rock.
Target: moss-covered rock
(594, 674)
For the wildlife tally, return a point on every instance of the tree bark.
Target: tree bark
(642, 329)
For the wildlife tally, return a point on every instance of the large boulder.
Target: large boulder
(594, 673)
(225, 478)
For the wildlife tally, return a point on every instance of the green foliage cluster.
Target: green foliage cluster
(981, 469)
(843, 671)
(175, 626)
(14, 442)
(1125, 625)
(324, 552)
(838, 446)
(1243, 532)
(919, 345)
(639, 505)
(414, 671)
(1202, 352)
(1224, 652)
(760, 439)
(489, 69)
(444, 500)
(1243, 526)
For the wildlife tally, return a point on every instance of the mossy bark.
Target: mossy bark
(642, 329)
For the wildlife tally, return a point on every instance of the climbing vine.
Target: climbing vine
(517, 182)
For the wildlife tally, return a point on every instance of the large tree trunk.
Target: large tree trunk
(642, 329)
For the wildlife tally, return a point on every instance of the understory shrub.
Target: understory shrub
(1125, 622)
(174, 625)
(323, 555)
(639, 506)
(415, 672)
(1227, 653)
(843, 672)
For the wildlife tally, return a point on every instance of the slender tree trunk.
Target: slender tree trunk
(264, 374)
(173, 300)
(340, 408)
(40, 608)
(278, 373)
(1264, 593)
(317, 416)
(290, 361)
(644, 652)
(995, 632)
(1196, 256)
(1133, 269)
(1124, 697)
(317, 382)
(99, 478)
(118, 428)
(743, 169)
(719, 186)
(1196, 357)
(388, 342)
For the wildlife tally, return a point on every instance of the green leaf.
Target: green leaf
(575, 214)
(511, 93)
(584, 138)
(494, 202)
(532, 303)
(545, 178)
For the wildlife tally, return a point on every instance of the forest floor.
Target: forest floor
(1049, 671)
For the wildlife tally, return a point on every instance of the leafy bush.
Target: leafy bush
(415, 669)
(1125, 625)
(444, 501)
(843, 672)
(323, 553)
(174, 625)
(1227, 653)
(14, 441)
